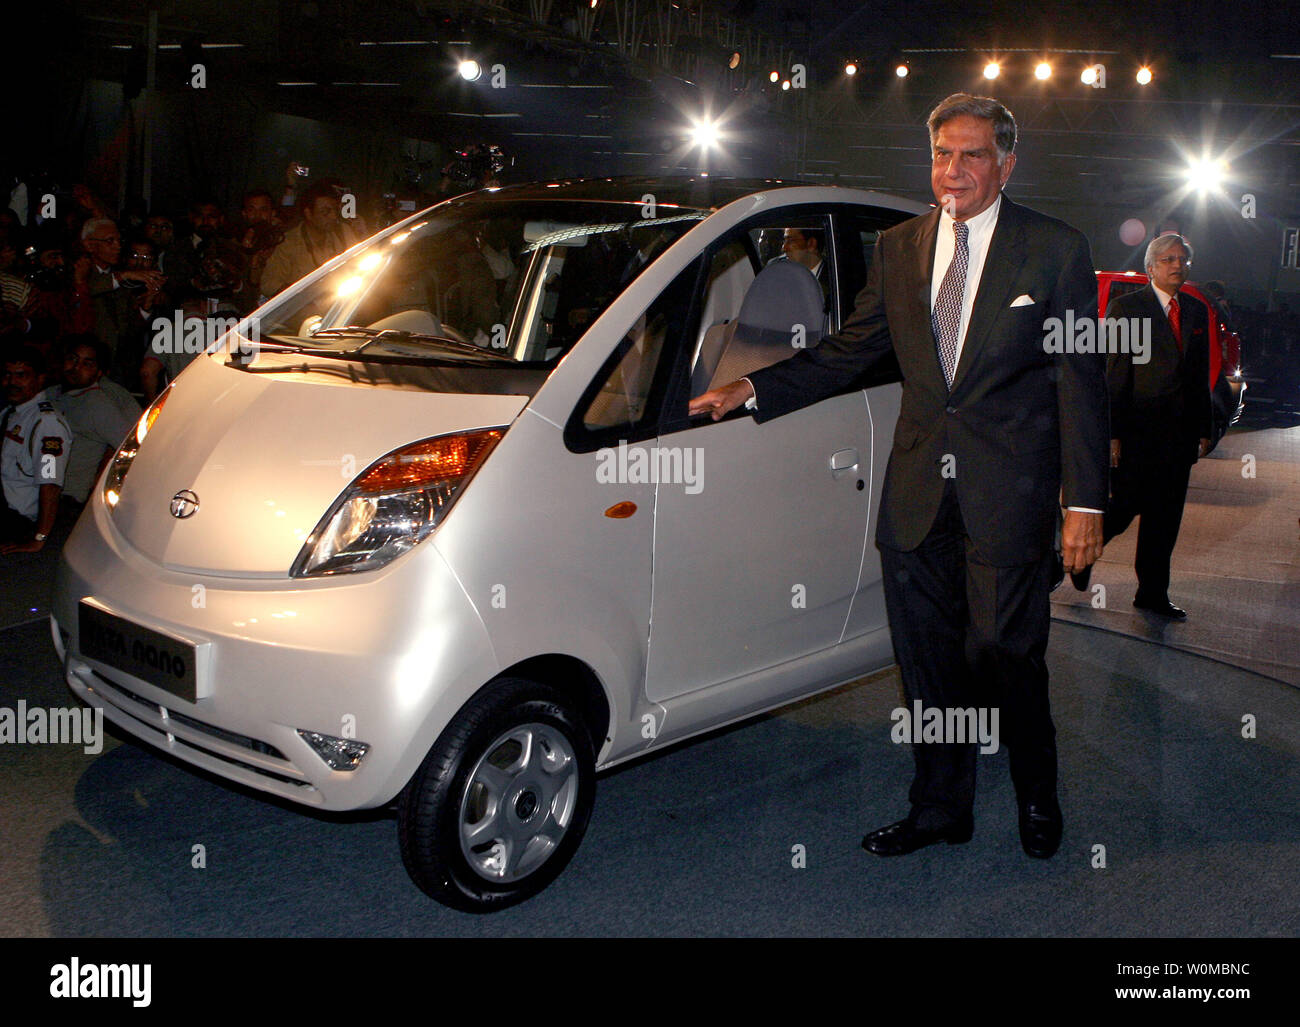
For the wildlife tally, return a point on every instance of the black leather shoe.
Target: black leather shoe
(1081, 578)
(1040, 827)
(1163, 607)
(903, 837)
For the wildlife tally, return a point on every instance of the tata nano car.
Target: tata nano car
(433, 526)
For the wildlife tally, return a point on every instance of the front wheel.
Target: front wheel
(501, 802)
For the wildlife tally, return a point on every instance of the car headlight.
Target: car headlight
(126, 452)
(394, 504)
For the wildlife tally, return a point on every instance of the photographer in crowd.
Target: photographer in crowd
(114, 292)
(323, 234)
(258, 232)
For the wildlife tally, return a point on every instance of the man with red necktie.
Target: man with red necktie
(1160, 417)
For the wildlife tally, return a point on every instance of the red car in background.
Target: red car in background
(1227, 387)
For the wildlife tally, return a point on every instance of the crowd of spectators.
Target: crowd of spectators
(80, 288)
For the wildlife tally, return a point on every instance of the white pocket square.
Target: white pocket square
(1023, 300)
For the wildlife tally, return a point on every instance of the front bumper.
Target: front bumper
(386, 658)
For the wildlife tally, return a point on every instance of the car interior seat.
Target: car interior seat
(782, 297)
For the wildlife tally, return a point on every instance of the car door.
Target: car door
(757, 551)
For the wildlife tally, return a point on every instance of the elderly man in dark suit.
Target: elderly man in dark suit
(995, 430)
(1160, 416)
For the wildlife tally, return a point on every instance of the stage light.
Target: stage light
(704, 134)
(1043, 71)
(1144, 76)
(850, 69)
(785, 85)
(1089, 75)
(733, 62)
(1206, 176)
(470, 70)
(774, 76)
(901, 71)
(992, 70)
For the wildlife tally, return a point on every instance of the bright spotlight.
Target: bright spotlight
(850, 69)
(1144, 76)
(704, 134)
(785, 85)
(470, 70)
(901, 71)
(1206, 176)
(1043, 71)
(991, 70)
(1089, 75)
(773, 76)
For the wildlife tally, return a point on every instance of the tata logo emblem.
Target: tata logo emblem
(184, 504)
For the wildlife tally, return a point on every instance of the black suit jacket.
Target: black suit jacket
(1020, 422)
(1166, 400)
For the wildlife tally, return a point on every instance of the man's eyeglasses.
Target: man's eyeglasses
(1172, 259)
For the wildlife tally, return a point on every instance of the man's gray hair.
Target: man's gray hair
(94, 225)
(983, 107)
(1160, 243)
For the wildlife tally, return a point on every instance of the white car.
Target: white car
(433, 525)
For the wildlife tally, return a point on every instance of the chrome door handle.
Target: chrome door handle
(844, 461)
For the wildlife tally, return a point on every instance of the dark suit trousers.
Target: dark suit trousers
(968, 634)
(1151, 483)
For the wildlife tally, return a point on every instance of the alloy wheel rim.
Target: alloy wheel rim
(518, 802)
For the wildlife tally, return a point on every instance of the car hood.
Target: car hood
(266, 455)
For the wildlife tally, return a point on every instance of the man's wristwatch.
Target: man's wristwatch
(40, 537)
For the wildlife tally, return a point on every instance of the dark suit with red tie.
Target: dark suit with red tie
(967, 559)
(1160, 410)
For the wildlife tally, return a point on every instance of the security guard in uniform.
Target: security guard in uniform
(33, 455)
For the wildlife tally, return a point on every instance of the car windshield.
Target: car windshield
(484, 280)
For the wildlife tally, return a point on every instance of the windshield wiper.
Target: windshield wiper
(376, 335)
(343, 371)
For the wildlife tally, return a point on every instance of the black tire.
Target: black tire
(453, 789)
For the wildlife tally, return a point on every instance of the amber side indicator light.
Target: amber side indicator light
(619, 510)
(151, 415)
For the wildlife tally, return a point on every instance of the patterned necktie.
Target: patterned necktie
(1175, 322)
(946, 318)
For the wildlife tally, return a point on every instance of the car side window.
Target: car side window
(804, 238)
(858, 232)
(626, 397)
(770, 291)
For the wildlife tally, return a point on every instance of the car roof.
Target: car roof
(699, 192)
